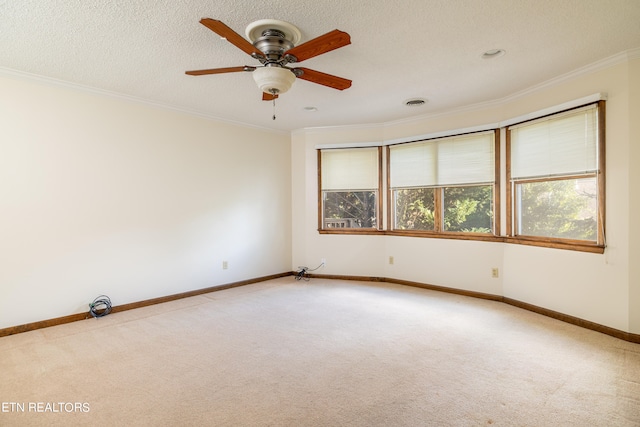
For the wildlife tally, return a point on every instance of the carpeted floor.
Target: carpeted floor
(320, 353)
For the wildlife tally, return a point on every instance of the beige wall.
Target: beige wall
(599, 288)
(634, 195)
(100, 195)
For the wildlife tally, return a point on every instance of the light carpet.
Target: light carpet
(320, 353)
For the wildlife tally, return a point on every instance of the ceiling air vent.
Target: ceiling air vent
(415, 102)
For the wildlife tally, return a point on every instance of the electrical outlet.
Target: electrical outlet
(323, 262)
(391, 260)
(225, 265)
(495, 273)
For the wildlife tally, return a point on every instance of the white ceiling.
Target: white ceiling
(399, 50)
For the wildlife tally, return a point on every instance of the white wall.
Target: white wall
(594, 287)
(634, 194)
(588, 286)
(100, 195)
(365, 253)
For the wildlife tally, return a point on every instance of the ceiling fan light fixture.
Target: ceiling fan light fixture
(274, 79)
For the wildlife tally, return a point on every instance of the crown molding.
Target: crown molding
(619, 58)
(324, 129)
(634, 54)
(613, 60)
(49, 81)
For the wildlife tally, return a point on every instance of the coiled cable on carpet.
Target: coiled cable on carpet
(302, 272)
(100, 307)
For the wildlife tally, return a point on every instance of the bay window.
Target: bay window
(450, 187)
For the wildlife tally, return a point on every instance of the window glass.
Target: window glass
(414, 209)
(468, 209)
(564, 209)
(350, 209)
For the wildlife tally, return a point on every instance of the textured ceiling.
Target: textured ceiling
(400, 50)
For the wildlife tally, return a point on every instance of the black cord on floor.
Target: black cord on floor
(101, 306)
(302, 272)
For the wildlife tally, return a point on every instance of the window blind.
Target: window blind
(350, 169)
(467, 159)
(563, 144)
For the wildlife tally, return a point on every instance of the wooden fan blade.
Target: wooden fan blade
(268, 97)
(231, 36)
(324, 79)
(323, 44)
(219, 70)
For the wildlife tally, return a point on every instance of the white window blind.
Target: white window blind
(410, 164)
(350, 169)
(563, 144)
(467, 159)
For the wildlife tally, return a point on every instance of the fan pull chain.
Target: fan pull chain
(274, 92)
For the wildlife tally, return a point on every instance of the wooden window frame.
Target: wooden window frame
(358, 231)
(508, 236)
(558, 243)
(438, 232)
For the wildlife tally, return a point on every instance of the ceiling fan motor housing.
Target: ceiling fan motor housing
(273, 44)
(273, 78)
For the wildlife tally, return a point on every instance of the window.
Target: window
(556, 177)
(444, 185)
(450, 187)
(349, 189)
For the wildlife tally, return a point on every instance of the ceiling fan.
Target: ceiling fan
(273, 43)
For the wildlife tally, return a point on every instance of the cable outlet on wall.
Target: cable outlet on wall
(323, 262)
(495, 272)
(225, 265)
